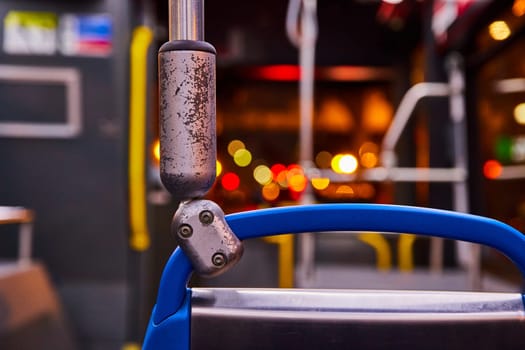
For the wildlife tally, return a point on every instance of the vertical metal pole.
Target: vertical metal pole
(187, 104)
(25, 243)
(306, 110)
(186, 20)
(306, 87)
(468, 254)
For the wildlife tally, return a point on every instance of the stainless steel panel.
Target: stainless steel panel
(314, 319)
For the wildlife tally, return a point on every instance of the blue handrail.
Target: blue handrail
(344, 217)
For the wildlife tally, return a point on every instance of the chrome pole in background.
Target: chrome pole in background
(186, 20)
(468, 254)
(187, 104)
(303, 14)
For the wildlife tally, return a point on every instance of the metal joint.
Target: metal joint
(203, 234)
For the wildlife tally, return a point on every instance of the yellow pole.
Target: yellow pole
(285, 245)
(380, 245)
(141, 41)
(405, 252)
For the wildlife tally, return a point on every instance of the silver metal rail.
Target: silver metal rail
(186, 20)
(23, 217)
(303, 14)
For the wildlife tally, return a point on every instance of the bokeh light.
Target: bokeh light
(518, 9)
(345, 190)
(271, 191)
(297, 181)
(218, 167)
(230, 181)
(369, 160)
(344, 163)
(263, 175)
(156, 151)
(368, 147)
(242, 157)
(234, 146)
(492, 169)
(323, 159)
(519, 113)
(320, 183)
(279, 174)
(499, 30)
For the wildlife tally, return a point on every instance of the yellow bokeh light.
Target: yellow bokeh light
(234, 146)
(263, 175)
(345, 190)
(335, 163)
(297, 182)
(320, 183)
(323, 159)
(242, 157)
(368, 147)
(218, 167)
(156, 151)
(519, 113)
(499, 30)
(348, 164)
(369, 160)
(270, 192)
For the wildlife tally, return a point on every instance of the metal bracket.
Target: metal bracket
(203, 234)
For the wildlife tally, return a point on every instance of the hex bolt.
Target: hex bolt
(185, 231)
(206, 217)
(218, 259)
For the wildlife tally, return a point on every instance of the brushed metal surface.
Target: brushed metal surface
(356, 319)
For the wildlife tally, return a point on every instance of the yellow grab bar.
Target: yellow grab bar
(285, 246)
(140, 43)
(380, 245)
(405, 251)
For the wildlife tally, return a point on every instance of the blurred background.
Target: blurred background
(79, 150)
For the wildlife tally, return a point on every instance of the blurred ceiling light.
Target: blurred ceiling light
(242, 157)
(234, 146)
(320, 183)
(518, 9)
(394, 2)
(519, 113)
(323, 159)
(499, 30)
(218, 166)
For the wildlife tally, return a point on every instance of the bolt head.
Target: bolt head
(219, 259)
(185, 231)
(206, 217)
